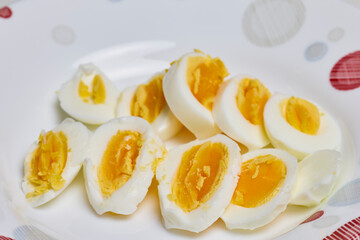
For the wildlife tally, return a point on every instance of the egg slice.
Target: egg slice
(190, 87)
(317, 176)
(90, 96)
(147, 101)
(263, 190)
(299, 126)
(122, 155)
(53, 161)
(196, 182)
(238, 111)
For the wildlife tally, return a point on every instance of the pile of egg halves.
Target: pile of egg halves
(255, 152)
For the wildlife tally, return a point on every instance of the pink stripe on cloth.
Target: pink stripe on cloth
(5, 238)
(348, 231)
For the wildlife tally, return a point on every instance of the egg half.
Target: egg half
(190, 87)
(147, 101)
(53, 161)
(90, 96)
(238, 110)
(119, 167)
(263, 190)
(317, 176)
(299, 126)
(196, 182)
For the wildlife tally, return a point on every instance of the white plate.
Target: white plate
(43, 42)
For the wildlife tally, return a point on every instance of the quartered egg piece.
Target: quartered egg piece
(90, 96)
(196, 182)
(317, 176)
(263, 190)
(299, 126)
(190, 87)
(148, 102)
(238, 110)
(121, 160)
(53, 161)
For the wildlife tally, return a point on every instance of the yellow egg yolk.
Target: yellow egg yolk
(96, 94)
(47, 163)
(259, 181)
(118, 161)
(204, 76)
(149, 100)
(251, 98)
(200, 174)
(301, 114)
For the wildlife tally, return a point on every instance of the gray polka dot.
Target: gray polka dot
(269, 23)
(325, 222)
(315, 51)
(336, 34)
(63, 35)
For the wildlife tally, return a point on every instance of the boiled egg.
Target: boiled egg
(190, 87)
(300, 126)
(238, 110)
(53, 161)
(148, 102)
(196, 182)
(263, 190)
(317, 176)
(119, 167)
(90, 96)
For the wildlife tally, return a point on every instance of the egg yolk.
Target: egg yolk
(200, 174)
(95, 95)
(260, 180)
(204, 76)
(301, 114)
(47, 163)
(149, 100)
(118, 161)
(251, 98)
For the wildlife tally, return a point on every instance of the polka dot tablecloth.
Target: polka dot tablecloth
(310, 47)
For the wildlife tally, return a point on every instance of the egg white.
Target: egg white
(190, 112)
(231, 121)
(125, 199)
(206, 214)
(71, 102)
(317, 176)
(237, 217)
(282, 135)
(166, 125)
(77, 137)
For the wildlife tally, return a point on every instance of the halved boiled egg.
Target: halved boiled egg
(53, 161)
(148, 102)
(299, 126)
(317, 176)
(263, 190)
(238, 110)
(122, 155)
(90, 96)
(190, 87)
(196, 182)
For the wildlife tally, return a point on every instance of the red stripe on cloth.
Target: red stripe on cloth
(5, 238)
(348, 231)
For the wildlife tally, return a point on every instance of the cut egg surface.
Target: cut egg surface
(317, 176)
(299, 126)
(121, 159)
(148, 102)
(90, 96)
(238, 111)
(190, 87)
(196, 182)
(53, 161)
(263, 190)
